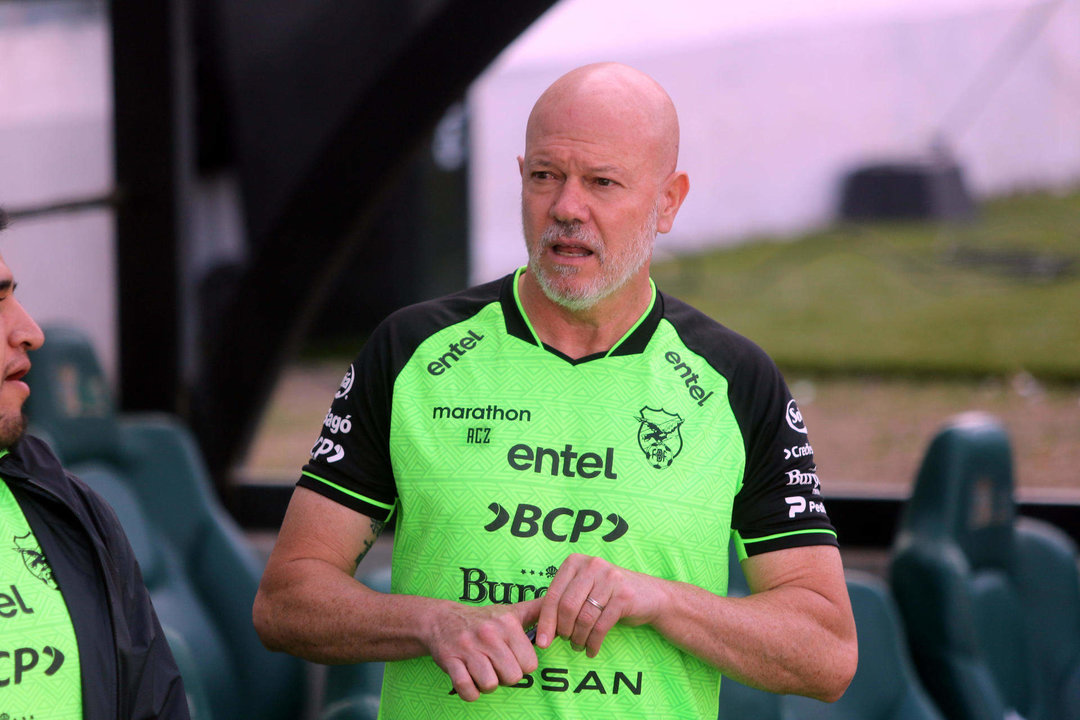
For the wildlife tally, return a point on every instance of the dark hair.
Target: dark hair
(3, 219)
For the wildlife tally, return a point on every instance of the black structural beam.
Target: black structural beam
(296, 253)
(150, 127)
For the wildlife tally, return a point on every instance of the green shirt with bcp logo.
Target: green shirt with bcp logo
(39, 654)
(499, 457)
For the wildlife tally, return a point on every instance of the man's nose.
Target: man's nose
(571, 203)
(26, 333)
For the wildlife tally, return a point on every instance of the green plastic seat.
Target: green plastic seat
(990, 601)
(201, 572)
(885, 686)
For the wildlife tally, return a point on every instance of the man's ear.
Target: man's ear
(521, 167)
(671, 199)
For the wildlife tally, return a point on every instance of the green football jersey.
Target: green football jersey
(499, 457)
(39, 653)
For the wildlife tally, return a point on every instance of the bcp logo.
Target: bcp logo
(559, 525)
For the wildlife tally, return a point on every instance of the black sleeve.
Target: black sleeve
(350, 461)
(779, 504)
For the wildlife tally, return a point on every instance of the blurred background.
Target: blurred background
(213, 202)
(227, 195)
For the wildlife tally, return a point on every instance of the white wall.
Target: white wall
(55, 144)
(778, 100)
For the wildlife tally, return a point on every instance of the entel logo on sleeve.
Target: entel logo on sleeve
(794, 417)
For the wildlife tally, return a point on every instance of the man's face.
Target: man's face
(19, 334)
(589, 201)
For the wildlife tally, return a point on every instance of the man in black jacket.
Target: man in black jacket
(78, 634)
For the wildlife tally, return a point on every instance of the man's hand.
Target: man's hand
(481, 648)
(588, 596)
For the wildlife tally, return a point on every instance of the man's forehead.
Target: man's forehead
(612, 106)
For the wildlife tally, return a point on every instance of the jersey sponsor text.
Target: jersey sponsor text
(453, 353)
(557, 525)
(696, 391)
(587, 465)
(490, 412)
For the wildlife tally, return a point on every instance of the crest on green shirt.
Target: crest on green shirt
(659, 437)
(34, 559)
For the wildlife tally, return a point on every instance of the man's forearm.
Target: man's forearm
(786, 640)
(313, 610)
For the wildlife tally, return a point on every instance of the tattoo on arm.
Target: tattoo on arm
(376, 529)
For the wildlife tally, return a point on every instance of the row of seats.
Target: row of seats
(979, 620)
(201, 572)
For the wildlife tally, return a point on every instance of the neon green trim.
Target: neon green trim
(787, 534)
(348, 492)
(517, 301)
(652, 301)
(740, 546)
(4, 452)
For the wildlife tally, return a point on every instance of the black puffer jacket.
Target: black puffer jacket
(128, 671)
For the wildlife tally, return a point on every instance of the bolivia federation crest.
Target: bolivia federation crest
(659, 437)
(34, 559)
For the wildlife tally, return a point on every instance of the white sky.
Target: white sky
(569, 28)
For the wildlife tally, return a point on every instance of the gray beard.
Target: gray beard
(614, 272)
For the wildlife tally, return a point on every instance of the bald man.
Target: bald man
(568, 454)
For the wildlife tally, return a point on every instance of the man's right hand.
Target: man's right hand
(481, 648)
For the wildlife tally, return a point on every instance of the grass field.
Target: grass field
(883, 332)
(994, 297)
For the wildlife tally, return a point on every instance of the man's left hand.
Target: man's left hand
(588, 596)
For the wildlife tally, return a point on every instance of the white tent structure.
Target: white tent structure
(779, 99)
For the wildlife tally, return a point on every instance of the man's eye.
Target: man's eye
(541, 175)
(605, 182)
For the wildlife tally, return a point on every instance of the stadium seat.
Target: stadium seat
(885, 686)
(200, 570)
(991, 603)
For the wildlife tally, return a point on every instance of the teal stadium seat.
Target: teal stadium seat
(885, 686)
(200, 570)
(990, 601)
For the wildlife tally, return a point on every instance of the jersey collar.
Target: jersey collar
(632, 343)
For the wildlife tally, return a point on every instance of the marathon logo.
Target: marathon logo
(490, 413)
